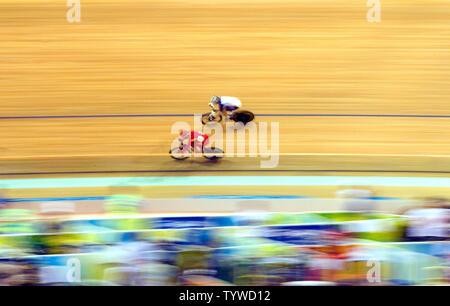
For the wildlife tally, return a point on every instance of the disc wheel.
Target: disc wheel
(213, 153)
(242, 116)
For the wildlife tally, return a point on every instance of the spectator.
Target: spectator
(428, 223)
(357, 198)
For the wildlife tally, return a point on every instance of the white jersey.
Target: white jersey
(230, 101)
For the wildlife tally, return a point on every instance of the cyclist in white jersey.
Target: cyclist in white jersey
(225, 104)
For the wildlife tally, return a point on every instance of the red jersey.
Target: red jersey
(196, 137)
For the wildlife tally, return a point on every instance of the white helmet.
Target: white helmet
(215, 100)
(200, 138)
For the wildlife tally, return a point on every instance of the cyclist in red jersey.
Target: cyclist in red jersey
(198, 140)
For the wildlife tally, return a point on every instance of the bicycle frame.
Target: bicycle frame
(187, 148)
(214, 111)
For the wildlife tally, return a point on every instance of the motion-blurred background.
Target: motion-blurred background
(91, 196)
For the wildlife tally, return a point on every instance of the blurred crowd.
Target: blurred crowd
(250, 248)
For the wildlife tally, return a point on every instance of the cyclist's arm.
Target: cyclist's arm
(212, 106)
(184, 135)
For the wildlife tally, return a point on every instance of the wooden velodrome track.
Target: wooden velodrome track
(163, 57)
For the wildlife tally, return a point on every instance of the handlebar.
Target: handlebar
(212, 107)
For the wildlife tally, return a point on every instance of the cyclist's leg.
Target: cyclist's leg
(197, 147)
(228, 108)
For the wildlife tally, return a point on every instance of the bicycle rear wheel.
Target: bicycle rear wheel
(213, 153)
(242, 116)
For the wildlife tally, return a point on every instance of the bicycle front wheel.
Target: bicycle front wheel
(208, 118)
(178, 153)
